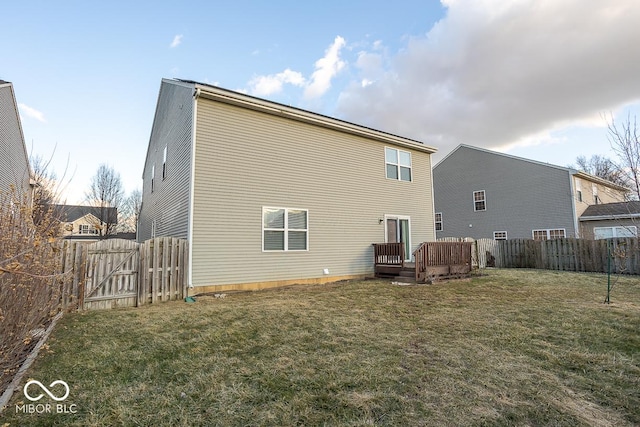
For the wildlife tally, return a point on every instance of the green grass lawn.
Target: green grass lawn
(513, 347)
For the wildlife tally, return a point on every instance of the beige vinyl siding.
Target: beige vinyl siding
(14, 164)
(605, 194)
(246, 160)
(168, 204)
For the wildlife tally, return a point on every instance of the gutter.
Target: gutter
(609, 217)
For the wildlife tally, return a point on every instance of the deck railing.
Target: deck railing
(388, 254)
(435, 259)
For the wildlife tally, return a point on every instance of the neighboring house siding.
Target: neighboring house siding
(520, 195)
(605, 194)
(14, 163)
(168, 204)
(588, 226)
(246, 160)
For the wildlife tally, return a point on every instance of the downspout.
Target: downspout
(574, 212)
(194, 114)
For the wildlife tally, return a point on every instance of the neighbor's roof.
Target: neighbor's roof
(70, 213)
(620, 210)
(572, 171)
(247, 101)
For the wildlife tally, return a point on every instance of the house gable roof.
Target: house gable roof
(621, 210)
(71, 213)
(577, 173)
(247, 101)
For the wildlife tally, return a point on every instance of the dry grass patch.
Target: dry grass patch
(515, 347)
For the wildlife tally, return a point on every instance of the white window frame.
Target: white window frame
(614, 228)
(547, 232)
(164, 163)
(484, 200)
(500, 235)
(153, 229)
(398, 164)
(286, 229)
(439, 221)
(87, 229)
(153, 175)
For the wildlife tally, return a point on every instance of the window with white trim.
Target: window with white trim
(479, 201)
(153, 175)
(549, 234)
(153, 229)
(398, 164)
(285, 229)
(613, 232)
(438, 221)
(164, 163)
(499, 235)
(87, 229)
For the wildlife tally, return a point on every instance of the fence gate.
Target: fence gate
(111, 274)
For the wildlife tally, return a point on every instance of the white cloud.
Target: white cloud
(327, 68)
(267, 85)
(32, 112)
(177, 40)
(493, 73)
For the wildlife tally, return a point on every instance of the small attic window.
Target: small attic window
(153, 175)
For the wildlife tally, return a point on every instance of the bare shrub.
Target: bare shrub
(30, 285)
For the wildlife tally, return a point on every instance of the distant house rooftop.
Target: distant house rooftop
(612, 211)
(70, 213)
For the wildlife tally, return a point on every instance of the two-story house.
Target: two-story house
(481, 193)
(14, 163)
(269, 195)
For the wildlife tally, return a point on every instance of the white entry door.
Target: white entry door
(398, 229)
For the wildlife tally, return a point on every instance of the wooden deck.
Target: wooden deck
(433, 261)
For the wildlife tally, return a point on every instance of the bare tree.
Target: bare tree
(625, 141)
(130, 212)
(106, 193)
(602, 167)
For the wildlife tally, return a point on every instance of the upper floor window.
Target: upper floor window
(579, 195)
(438, 221)
(479, 201)
(284, 229)
(549, 234)
(153, 176)
(398, 164)
(164, 163)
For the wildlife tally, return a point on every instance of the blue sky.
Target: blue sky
(531, 78)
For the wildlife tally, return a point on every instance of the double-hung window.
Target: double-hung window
(438, 221)
(398, 164)
(285, 229)
(479, 201)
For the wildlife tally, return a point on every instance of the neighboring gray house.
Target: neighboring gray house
(484, 194)
(611, 220)
(270, 195)
(14, 162)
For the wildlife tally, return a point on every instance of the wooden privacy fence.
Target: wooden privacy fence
(122, 273)
(559, 254)
(622, 255)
